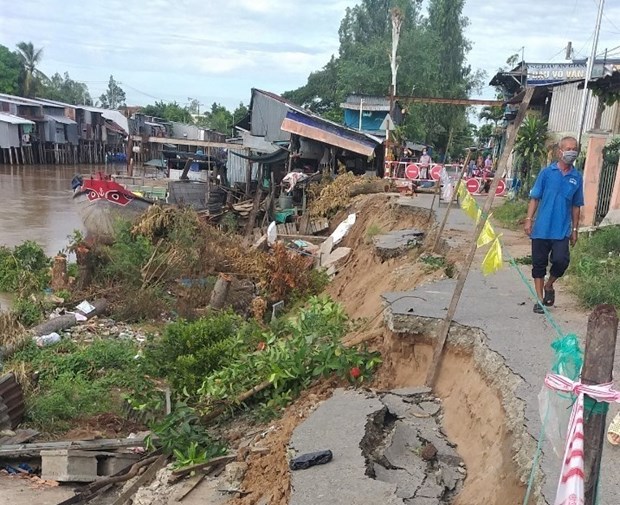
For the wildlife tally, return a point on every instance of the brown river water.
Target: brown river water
(35, 204)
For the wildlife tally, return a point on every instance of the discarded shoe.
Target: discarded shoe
(538, 309)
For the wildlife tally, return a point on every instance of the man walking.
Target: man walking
(558, 197)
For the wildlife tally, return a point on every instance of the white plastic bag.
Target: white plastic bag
(45, 340)
(343, 228)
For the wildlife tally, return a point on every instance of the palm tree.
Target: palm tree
(491, 113)
(531, 147)
(30, 59)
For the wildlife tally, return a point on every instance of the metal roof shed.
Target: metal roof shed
(10, 132)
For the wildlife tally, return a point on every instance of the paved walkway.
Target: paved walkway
(500, 305)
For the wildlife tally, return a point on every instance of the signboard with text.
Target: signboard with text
(549, 73)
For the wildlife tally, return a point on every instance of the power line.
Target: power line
(608, 20)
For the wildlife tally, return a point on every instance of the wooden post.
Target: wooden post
(454, 195)
(255, 206)
(248, 177)
(435, 193)
(597, 369)
(60, 280)
(460, 284)
(220, 292)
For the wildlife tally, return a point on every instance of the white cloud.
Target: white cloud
(219, 50)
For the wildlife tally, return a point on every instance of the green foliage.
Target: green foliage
(433, 262)
(182, 434)
(511, 214)
(188, 352)
(27, 311)
(431, 63)
(64, 89)
(372, 231)
(530, 147)
(308, 347)
(30, 59)
(595, 267)
(126, 256)
(10, 71)
(220, 119)
(611, 152)
(23, 269)
(171, 111)
(77, 380)
(114, 96)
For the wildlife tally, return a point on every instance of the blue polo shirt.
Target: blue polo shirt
(557, 194)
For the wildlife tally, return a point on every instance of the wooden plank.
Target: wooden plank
(19, 450)
(449, 101)
(20, 437)
(598, 366)
(460, 284)
(221, 460)
(144, 479)
(186, 142)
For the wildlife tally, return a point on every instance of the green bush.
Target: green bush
(28, 312)
(595, 267)
(187, 352)
(25, 268)
(511, 214)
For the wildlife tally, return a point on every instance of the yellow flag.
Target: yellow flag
(487, 235)
(462, 191)
(470, 207)
(493, 260)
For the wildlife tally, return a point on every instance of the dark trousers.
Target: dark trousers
(543, 251)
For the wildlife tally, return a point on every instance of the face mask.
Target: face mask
(569, 157)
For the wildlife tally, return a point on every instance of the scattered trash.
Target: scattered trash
(307, 460)
(85, 307)
(49, 339)
(342, 229)
(272, 233)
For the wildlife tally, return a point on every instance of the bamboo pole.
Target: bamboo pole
(454, 195)
(456, 296)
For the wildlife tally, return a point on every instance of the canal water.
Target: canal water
(35, 204)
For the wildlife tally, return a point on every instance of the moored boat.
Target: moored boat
(102, 202)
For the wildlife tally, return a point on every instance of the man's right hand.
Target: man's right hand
(527, 227)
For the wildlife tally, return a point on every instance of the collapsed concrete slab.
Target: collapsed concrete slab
(378, 457)
(396, 243)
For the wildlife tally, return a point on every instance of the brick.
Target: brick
(67, 465)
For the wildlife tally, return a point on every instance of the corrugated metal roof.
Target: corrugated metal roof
(11, 402)
(59, 119)
(12, 119)
(29, 101)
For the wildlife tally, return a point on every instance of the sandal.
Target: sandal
(549, 298)
(538, 309)
(614, 430)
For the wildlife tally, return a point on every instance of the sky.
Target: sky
(217, 50)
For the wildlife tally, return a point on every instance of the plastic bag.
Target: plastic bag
(555, 408)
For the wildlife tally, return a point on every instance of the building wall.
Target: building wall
(9, 135)
(565, 108)
(267, 116)
(236, 167)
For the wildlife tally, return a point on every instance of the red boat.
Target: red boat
(102, 202)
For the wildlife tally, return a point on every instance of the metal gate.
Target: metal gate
(605, 189)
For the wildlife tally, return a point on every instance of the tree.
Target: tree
(194, 106)
(65, 89)
(491, 113)
(114, 97)
(219, 118)
(171, 111)
(240, 112)
(10, 71)
(531, 148)
(30, 59)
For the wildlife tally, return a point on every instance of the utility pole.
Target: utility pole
(584, 98)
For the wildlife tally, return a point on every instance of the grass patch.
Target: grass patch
(595, 268)
(372, 231)
(75, 380)
(511, 214)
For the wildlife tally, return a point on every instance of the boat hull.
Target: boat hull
(101, 204)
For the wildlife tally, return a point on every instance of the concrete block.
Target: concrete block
(67, 465)
(111, 464)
